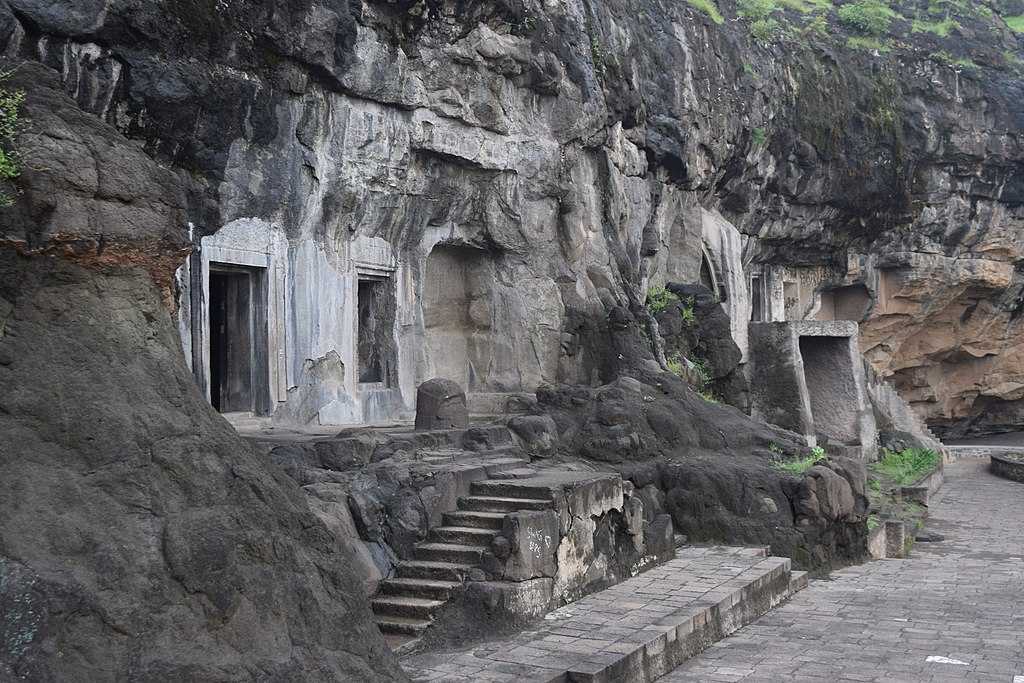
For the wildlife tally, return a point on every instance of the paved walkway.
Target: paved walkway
(634, 626)
(953, 611)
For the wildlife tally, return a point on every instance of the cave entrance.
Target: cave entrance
(457, 314)
(708, 278)
(844, 303)
(375, 323)
(238, 339)
(831, 387)
(758, 306)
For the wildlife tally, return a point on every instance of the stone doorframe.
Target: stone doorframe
(249, 243)
(825, 393)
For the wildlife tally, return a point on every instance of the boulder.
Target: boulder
(441, 404)
(537, 433)
(140, 537)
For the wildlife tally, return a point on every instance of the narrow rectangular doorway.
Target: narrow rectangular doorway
(238, 339)
(375, 324)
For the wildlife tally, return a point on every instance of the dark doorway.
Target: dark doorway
(707, 277)
(375, 330)
(238, 362)
(756, 299)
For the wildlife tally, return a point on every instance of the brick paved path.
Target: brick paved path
(626, 629)
(954, 611)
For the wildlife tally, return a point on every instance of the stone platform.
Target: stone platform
(950, 612)
(634, 631)
(1008, 466)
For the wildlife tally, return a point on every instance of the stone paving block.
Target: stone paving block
(633, 631)
(880, 621)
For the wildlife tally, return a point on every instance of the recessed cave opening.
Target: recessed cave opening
(238, 339)
(457, 314)
(708, 277)
(791, 300)
(375, 342)
(758, 305)
(829, 373)
(844, 303)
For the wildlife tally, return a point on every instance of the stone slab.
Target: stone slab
(1007, 465)
(634, 631)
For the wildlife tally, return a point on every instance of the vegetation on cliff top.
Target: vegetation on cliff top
(959, 34)
(10, 163)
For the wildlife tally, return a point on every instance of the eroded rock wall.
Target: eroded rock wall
(575, 148)
(572, 146)
(140, 537)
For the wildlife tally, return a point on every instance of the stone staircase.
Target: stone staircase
(406, 604)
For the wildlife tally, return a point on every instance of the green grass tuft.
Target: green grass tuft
(707, 395)
(866, 43)
(907, 466)
(870, 17)
(688, 312)
(755, 10)
(10, 124)
(949, 60)
(800, 465)
(1016, 23)
(806, 6)
(939, 28)
(659, 299)
(709, 8)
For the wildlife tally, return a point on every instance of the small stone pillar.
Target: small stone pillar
(441, 404)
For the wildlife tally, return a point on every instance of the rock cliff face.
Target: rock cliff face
(554, 156)
(517, 174)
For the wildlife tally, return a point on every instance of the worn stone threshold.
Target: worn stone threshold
(634, 631)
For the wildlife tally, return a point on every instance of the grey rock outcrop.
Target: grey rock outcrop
(441, 404)
(568, 159)
(552, 161)
(711, 470)
(140, 537)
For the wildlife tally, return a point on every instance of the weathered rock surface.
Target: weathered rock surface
(708, 465)
(140, 537)
(707, 339)
(561, 157)
(570, 150)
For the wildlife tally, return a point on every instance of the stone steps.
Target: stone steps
(798, 581)
(433, 570)
(634, 631)
(509, 488)
(472, 518)
(497, 461)
(463, 535)
(431, 589)
(401, 625)
(449, 552)
(405, 605)
(501, 504)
